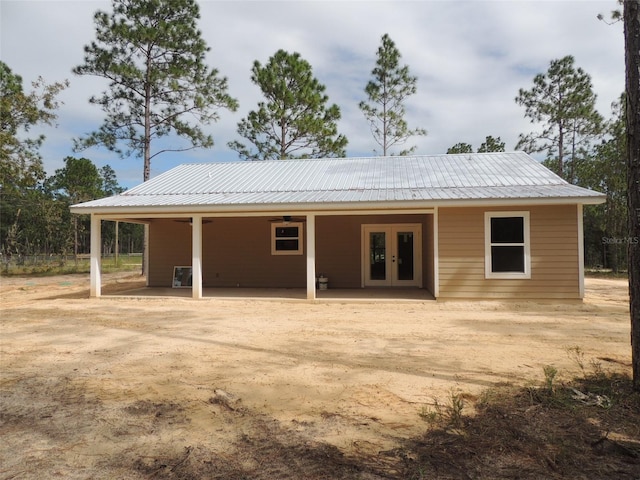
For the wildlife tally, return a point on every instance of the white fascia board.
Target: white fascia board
(337, 208)
(143, 215)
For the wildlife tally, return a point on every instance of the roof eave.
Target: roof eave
(328, 207)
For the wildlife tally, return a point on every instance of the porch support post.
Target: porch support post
(145, 258)
(196, 252)
(311, 257)
(95, 287)
(580, 252)
(436, 253)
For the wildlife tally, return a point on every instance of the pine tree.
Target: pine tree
(460, 147)
(20, 162)
(153, 56)
(631, 19)
(386, 93)
(23, 206)
(563, 102)
(491, 144)
(605, 171)
(294, 121)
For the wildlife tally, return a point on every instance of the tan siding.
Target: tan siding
(169, 246)
(338, 250)
(554, 255)
(237, 252)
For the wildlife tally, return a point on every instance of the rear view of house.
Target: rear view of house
(494, 225)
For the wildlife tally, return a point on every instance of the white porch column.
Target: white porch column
(311, 257)
(196, 252)
(95, 287)
(580, 251)
(145, 248)
(436, 258)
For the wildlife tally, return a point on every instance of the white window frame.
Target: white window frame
(488, 273)
(300, 238)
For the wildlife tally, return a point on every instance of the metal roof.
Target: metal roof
(436, 178)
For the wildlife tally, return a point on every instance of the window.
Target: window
(286, 238)
(507, 248)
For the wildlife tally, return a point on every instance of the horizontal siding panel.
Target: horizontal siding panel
(515, 296)
(479, 267)
(560, 216)
(551, 242)
(479, 276)
(453, 233)
(555, 262)
(465, 254)
(462, 263)
(554, 254)
(567, 228)
(553, 237)
(478, 289)
(459, 239)
(559, 249)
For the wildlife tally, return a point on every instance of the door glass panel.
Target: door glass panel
(404, 255)
(377, 253)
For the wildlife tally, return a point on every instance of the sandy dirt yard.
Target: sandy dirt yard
(155, 387)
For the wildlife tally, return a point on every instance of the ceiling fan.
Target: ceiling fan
(190, 221)
(288, 219)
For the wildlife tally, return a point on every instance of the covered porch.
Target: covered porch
(262, 255)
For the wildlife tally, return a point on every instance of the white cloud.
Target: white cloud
(470, 58)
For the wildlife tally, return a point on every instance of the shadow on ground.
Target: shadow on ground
(525, 433)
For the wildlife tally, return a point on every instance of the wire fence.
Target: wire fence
(18, 264)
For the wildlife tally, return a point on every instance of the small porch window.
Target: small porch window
(286, 238)
(507, 245)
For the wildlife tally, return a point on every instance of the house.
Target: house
(493, 225)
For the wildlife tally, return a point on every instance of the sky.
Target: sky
(470, 59)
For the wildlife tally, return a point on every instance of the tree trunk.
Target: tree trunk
(632, 56)
(146, 168)
(560, 150)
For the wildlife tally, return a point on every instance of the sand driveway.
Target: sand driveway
(121, 387)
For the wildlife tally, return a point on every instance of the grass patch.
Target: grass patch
(588, 428)
(68, 266)
(445, 415)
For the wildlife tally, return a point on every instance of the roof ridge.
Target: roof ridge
(324, 159)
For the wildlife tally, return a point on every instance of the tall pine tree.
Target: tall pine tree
(153, 56)
(562, 101)
(386, 93)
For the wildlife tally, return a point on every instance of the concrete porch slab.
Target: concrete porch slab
(299, 294)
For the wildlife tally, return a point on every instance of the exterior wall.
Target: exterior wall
(338, 253)
(237, 251)
(169, 246)
(339, 242)
(554, 254)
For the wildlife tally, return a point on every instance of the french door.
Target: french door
(392, 255)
